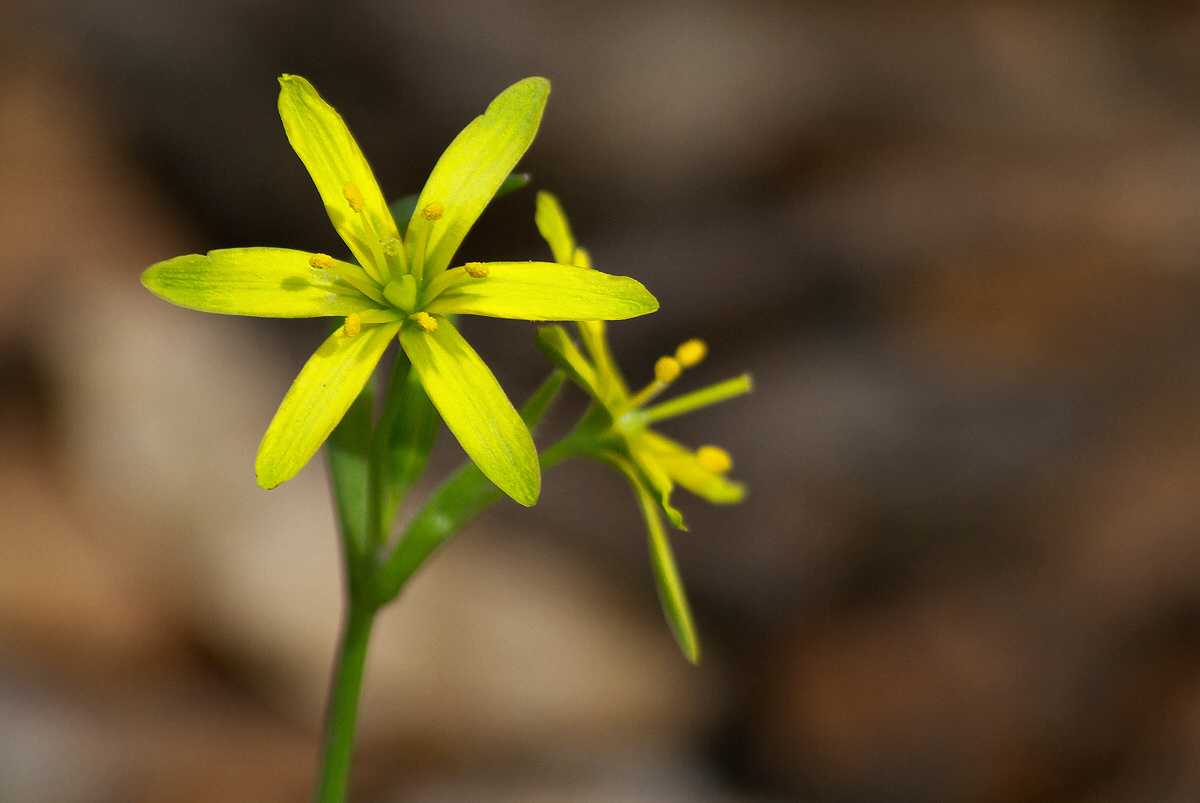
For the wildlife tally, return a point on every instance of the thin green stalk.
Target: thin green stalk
(342, 711)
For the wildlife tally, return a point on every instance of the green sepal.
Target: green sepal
(473, 168)
(348, 451)
(474, 407)
(458, 500)
(512, 183)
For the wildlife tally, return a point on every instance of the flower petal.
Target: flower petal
(542, 291)
(267, 282)
(317, 400)
(666, 573)
(552, 223)
(324, 143)
(685, 469)
(474, 166)
(474, 407)
(554, 342)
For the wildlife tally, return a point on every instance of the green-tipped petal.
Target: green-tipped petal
(686, 470)
(267, 282)
(317, 400)
(555, 343)
(323, 142)
(666, 573)
(473, 168)
(656, 478)
(543, 291)
(700, 398)
(474, 407)
(552, 223)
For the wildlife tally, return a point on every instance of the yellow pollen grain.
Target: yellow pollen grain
(432, 211)
(426, 321)
(667, 369)
(714, 458)
(353, 197)
(691, 352)
(353, 325)
(477, 270)
(321, 261)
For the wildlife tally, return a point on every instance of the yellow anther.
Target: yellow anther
(667, 369)
(477, 270)
(353, 325)
(321, 261)
(426, 321)
(353, 197)
(714, 458)
(691, 352)
(432, 211)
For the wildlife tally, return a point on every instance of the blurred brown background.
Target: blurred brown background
(956, 244)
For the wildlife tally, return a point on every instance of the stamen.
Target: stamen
(354, 197)
(321, 262)
(433, 211)
(691, 352)
(477, 270)
(353, 325)
(667, 369)
(714, 458)
(397, 260)
(426, 321)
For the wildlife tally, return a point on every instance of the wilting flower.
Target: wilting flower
(401, 286)
(616, 431)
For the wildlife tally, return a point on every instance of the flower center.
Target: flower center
(402, 293)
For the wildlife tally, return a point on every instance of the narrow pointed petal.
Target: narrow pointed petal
(700, 398)
(554, 342)
(552, 223)
(685, 469)
(474, 407)
(666, 573)
(324, 143)
(656, 478)
(611, 381)
(474, 166)
(267, 282)
(543, 291)
(317, 400)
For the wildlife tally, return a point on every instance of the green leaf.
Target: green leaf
(409, 443)
(541, 291)
(474, 407)
(267, 282)
(322, 393)
(324, 143)
(552, 223)
(473, 168)
(666, 573)
(683, 467)
(349, 452)
(556, 344)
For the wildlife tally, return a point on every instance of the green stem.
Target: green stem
(342, 711)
